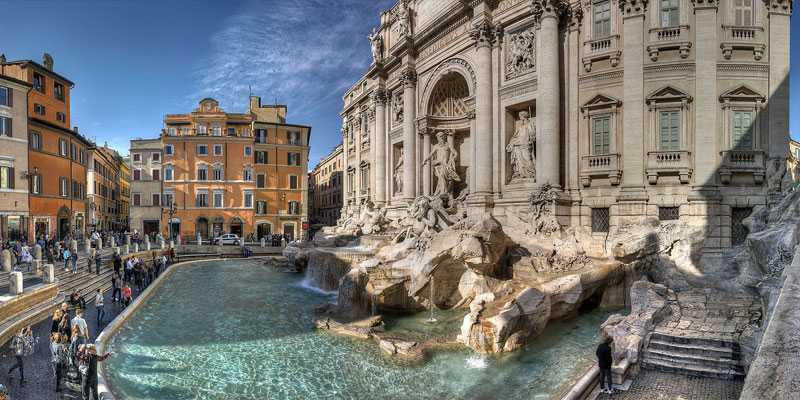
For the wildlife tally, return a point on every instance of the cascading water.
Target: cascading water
(431, 318)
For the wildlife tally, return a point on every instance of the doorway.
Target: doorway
(288, 231)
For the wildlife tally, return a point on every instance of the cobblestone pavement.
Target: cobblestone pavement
(653, 385)
(39, 377)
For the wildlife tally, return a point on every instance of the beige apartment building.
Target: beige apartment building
(146, 186)
(325, 189)
(630, 110)
(14, 212)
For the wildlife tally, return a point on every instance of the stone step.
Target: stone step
(691, 369)
(694, 349)
(686, 340)
(693, 359)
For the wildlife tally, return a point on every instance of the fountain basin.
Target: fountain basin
(237, 329)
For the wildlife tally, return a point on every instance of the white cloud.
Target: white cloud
(303, 53)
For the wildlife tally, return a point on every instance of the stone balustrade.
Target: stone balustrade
(603, 166)
(666, 163)
(751, 162)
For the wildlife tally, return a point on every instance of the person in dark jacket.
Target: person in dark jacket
(117, 264)
(87, 354)
(604, 361)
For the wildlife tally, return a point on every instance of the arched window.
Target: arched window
(169, 173)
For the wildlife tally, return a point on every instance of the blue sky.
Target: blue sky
(133, 61)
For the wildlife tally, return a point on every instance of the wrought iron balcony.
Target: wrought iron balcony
(669, 163)
(742, 162)
(604, 166)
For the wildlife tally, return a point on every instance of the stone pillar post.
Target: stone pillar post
(15, 283)
(49, 273)
(426, 169)
(779, 12)
(548, 99)
(136, 247)
(147, 242)
(87, 246)
(379, 147)
(199, 239)
(409, 79)
(37, 258)
(572, 151)
(263, 242)
(7, 261)
(345, 178)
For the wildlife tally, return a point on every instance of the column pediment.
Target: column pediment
(601, 101)
(668, 94)
(741, 93)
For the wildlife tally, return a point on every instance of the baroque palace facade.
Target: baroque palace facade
(632, 110)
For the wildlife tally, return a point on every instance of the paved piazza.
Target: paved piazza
(652, 385)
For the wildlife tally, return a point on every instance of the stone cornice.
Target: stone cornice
(633, 8)
(483, 34)
(705, 4)
(548, 9)
(779, 6)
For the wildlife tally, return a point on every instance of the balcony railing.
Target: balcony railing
(742, 162)
(665, 163)
(669, 38)
(748, 38)
(600, 49)
(600, 167)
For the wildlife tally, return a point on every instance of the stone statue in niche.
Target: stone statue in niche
(522, 149)
(376, 42)
(397, 107)
(443, 162)
(779, 179)
(398, 172)
(403, 18)
(521, 53)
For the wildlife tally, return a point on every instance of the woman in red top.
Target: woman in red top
(126, 295)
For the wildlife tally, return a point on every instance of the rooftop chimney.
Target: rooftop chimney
(75, 129)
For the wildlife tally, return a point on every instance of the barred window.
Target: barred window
(668, 213)
(600, 220)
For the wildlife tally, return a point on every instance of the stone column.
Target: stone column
(37, 258)
(49, 273)
(484, 35)
(426, 169)
(632, 207)
(359, 132)
(779, 12)
(548, 98)
(409, 79)
(345, 179)
(379, 147)
(574, 115)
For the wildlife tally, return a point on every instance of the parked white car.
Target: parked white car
(228, 238)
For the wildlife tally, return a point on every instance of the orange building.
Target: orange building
(207, 172)
(57, 158)
(103, 184)
(281, 172)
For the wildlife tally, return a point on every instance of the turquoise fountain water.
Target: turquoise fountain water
(239, 330)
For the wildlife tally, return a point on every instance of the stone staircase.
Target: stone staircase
(701, 357)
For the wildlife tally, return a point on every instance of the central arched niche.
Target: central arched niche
(448, 98)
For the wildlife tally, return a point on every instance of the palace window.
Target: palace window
(202, 173)
(293, 159)
(137, 199)
(39, 109)
(169, 198)
(169, 150)
(156, 157)
(231, 131)
(260, 181)
(601, 135)
(5, 126)
(137, 175)
(668, 213)
(600, 219)
(6, 177)
(218, 173)
(293, 138)
(202, 130)
(670, 12)
(156, 199)
(601, 21)
(248, 151)
(202, 149)
(218, 199)
(292, 181)
(38, 82)
(261, 207)
(63, 187)
(36, 184)
(743, 12)
(137, 157)
(669, 130)
(742, 130)
(58, 91)
(156, 173)
(61, 117)
(261, 157)
(247, 174)
(201, 198)
(6, 96)
(294, 207)
(216, 130)
(245, 131)
(217, 149)
(261, 136)
(741, 106)
(171, 131)
(169, 173)
(248, 199)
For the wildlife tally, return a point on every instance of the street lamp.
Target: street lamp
(173, 208)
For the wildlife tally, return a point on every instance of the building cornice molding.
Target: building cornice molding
(780, 7)
(633, 8)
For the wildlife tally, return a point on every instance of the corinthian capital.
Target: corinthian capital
(633, 8)
(483, 34)
(379, 96)
(548, 9)
(409, 77)
(575, 17)
(779, 6)
(705, 4)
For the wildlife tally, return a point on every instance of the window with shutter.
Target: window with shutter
(5, 126)
(601, 19)
(601, 140)
(670, 13)
(743, 12)
(260, 181)
(5, 94)
(742, 130)
(669, 130)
